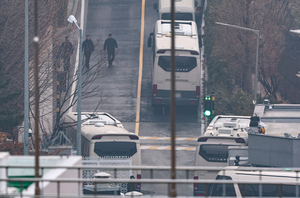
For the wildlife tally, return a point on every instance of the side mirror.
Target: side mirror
(200, 40)
(196, 3)
(149, 42)
(155, 6)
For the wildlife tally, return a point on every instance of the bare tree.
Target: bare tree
(237, 47)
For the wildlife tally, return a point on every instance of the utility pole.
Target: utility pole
(36, 97)
(173, 101)
(26, 85)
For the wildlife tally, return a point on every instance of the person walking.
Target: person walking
(88, 48)
(66, 50)
(111, 46)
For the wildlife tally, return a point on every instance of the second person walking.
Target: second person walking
(111, 46)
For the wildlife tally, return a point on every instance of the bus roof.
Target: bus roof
(180, 6)
(228, 126)
(99, 123)
(186, 35)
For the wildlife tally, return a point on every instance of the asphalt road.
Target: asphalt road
(119, 85)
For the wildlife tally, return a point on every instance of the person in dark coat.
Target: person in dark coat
(111, 46)
(66, 50)
(88, 48)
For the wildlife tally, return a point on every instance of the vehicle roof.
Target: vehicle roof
(279, 118)
(254, 175)
(188, 40)
(89, 119)
(228, 126)
(180, 6)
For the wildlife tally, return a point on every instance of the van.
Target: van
(184, 10)
(252, 189)
(212, 147)
(104, 141)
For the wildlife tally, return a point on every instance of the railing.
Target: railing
(77, 178)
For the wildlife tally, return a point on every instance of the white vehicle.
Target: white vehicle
(184, 10)
(212, 146)
(102, 188)
(252, 190)
(103, 137)
(187, 60)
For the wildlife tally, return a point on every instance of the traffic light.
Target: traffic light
(209, 105)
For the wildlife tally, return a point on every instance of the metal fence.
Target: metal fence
(79, 180)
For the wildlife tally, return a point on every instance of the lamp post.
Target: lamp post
(257, 43)
(72, 19)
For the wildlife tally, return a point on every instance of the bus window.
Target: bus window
(217, 189)
(178, 16)
(182, 63)
(268, 190)
(125, 149)
(214, 152)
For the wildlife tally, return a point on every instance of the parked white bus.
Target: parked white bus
(187, 60)
(252, 189)
(184, 9)
(104, 137)
(212, 146)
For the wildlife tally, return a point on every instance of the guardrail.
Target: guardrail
(150, 180)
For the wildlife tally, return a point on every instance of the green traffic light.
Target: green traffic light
(207, 113)
(207, 98)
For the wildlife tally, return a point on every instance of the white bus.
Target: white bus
(184, 9)
(212, 146)
(104, 137)
(252, 189)
(187, 60)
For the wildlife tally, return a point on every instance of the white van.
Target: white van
(103, 136)
(184, 10)
(212, 146)
(252, 190)
(187, 61)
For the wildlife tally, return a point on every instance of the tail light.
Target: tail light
(195, 184)
(161, 51)
(97, 137)
(133, 137)
(154, 90)
(138, 185)
(202, 139)
(198, 92)
(194, 53)
(239, 140)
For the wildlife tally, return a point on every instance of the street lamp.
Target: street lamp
(257, 43)
(72, 19)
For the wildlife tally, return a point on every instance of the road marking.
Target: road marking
(139, 89)
(177, 148)
(168, 138)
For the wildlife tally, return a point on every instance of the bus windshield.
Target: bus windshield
(182, 63)
(116, 149)
(214, 152)
(178, 16)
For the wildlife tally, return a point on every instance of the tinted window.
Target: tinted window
(268, 190)
(104, 149)
(217, 189)
(178, 16)
(214, 152)
(182, 63)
